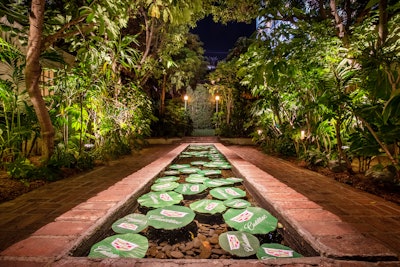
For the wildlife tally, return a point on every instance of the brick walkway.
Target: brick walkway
(24, 215)
(370, 215)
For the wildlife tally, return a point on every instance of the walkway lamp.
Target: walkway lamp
(216, 103)
(302, 135)
(186, 98)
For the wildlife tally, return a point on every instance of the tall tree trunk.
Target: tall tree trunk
(383, 19)
(32, 77)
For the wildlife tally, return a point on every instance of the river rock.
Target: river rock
(218, 251)
(196, 242)
(214, 239)
(201, 237)
(152, 251)
(177, 254)
(189, 246)
(189, 252)
(160, 255)
(205, 248)
(211, 232)
(166, 248)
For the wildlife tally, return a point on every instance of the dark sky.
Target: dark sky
(218, 39)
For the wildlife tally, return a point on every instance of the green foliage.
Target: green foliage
(233, 118)
(21, 168)
(176, 122)
(200, 107)
(17, 125)
(315, 158)
(383, 175)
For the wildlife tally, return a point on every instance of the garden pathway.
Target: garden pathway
(24, 215)
(371, 215)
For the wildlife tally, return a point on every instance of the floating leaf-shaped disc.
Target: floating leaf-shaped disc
(273, 250)
(166, 179)
(210, 172)
(239, 243)
(171, 172)
(190, 189)
(170, 217)
(189, 170)
(120, 246)
(168, 186)
(237, 203)
(227, 192)
(179, 166)
(235, 179)
(196, 179)
(131, 223)
(160, 199)
(209, 206)
(217, 182)
(253, 220)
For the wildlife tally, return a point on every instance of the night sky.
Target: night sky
(218, 39)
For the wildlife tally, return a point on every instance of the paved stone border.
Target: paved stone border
(52, 244)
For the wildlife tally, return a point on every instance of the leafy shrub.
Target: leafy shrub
(315, 158)
(21, 168)
(384, 175)
(176, 122)
(285, 147)
(86, 161)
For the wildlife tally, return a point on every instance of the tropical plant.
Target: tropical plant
(18, 130)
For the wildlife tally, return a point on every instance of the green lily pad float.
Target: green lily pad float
(239, 243)
(215, 156)
(225, 166)
(227, 193)
(171, 172)
(166, 179)
(273, 250)
(198, 163)
(120, 246)
(199, 147)
(235, 179)
(168, 186)
(196, 179)
(237, 203)
(209, 172)
(209, 206)
(131, 223)
(218, 164)
(179, 166)
(190, 189)
(189, 170)
(217, 182)
(160, 199)
(253, 220)
(212, 164)
(197, 175)
(170, 217)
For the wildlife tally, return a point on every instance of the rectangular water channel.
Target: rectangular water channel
(200, 239)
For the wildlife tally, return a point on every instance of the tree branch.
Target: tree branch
(50, 39)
